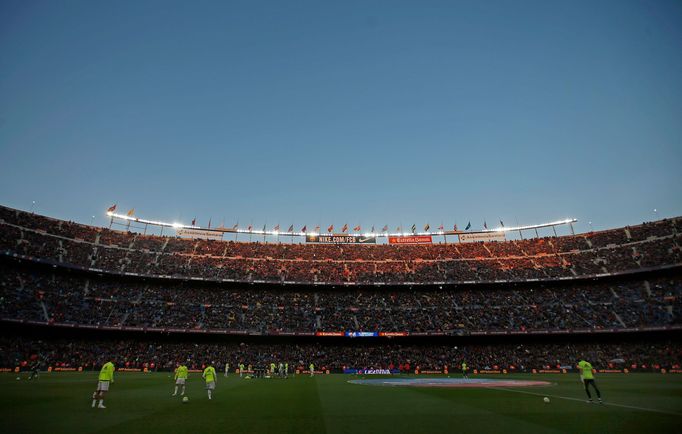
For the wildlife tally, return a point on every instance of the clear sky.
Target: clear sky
(317, 112)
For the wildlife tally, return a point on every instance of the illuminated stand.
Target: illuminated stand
(221, 230)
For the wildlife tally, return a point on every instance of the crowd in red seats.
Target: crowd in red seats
(58, 296)
(619, 250)
(164, 355)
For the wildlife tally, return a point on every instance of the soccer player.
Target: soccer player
(106, 376)
(241, 370)
(465, 369)
(272, 369)
(180, 378)
(587, 378)
(280, 371)
(286, 370)
(227, 369)
(312, 369)
(211, 378)
(34, 370)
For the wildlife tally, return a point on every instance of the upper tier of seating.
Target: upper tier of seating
(623, 250)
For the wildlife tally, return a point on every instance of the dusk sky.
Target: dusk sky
(368, 112)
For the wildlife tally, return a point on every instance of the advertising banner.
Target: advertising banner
(371, 371)
(362, 334)
(411, 239)
(198, 234)
(485, 236)
(340, 239)
(329, 334)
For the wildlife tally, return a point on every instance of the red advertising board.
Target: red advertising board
(329, 334)
(411, 239)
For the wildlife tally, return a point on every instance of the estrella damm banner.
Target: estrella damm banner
(340, 239)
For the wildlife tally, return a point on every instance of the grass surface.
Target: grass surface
(141, 403)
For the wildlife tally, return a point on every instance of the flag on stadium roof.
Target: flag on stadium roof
(384, 229)
(194, 221)
(263, 228)
(304, 228)
(357, 228)
(468, 226)
(234, 228)
(344, 228)
(427, 227)
(248, 229)
(414, 227)
(330, 228)
(485, 224)
(455, 226)
(276, 229)
(398, 229)
(131, 212)
(501, 223)
(291, 228)
(209, 223)
(112, 208)
(441, 227)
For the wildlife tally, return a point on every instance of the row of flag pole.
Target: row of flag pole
(330, 229)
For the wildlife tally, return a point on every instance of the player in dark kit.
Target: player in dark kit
(35, 370)
(588, 379)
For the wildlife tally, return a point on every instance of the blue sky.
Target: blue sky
(331, 112)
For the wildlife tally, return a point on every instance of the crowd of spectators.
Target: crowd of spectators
(164, 355)
(58, 296)
(618, 250)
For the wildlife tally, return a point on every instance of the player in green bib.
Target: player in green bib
(106, 377)
(241, 370)
(181, 373)
(465, 370)
(211, 378)
(312, 369)
(587, 377)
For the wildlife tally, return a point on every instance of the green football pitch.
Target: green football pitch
(142, 403)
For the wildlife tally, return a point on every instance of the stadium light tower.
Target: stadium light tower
(33, 206)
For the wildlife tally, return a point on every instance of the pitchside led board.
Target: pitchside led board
(340, 239)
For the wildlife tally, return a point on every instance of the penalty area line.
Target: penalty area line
(608, 404)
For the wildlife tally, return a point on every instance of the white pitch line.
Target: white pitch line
(612, 404)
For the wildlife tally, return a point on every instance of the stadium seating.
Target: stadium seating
(73, 276)
(163, 355)
(49, 295)
(648, 246)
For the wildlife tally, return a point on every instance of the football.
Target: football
(546, 400)
(185, 400)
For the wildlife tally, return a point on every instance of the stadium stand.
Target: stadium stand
(649, 246)
(57, 296)
(87, 353)
(68, 276)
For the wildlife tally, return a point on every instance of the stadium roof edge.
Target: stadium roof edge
(222, 229)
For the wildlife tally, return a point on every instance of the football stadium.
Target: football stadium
(348, 335)
(326, 217)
